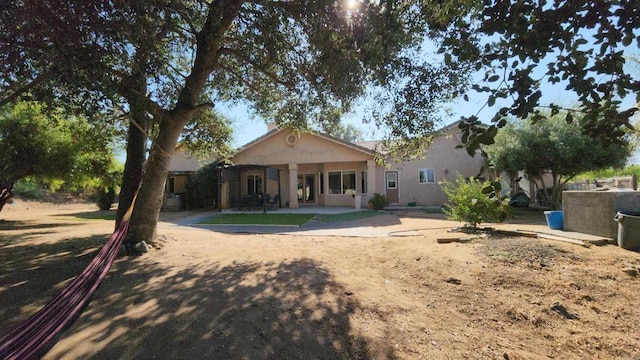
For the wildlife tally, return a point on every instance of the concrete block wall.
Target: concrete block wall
(592, 212)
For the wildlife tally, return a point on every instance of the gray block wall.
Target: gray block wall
(592, 212)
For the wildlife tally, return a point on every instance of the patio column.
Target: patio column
(371, 178)
(223, 199)
(293, 186)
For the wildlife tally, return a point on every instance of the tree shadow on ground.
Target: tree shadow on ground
(380, 221)
(293, 309)
(30, 275)
(9, 225)
(91, 215)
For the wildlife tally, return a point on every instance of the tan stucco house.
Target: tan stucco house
(320, 170)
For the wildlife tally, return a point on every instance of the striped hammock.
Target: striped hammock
(33, 338)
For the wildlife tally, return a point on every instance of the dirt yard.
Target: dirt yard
(201, 294)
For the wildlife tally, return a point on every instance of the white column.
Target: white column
(293, 186)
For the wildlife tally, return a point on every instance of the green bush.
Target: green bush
(106, 198)
(378, 202)
(471, 201)
(202, 188)
(28, 189)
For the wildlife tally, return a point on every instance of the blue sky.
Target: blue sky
(247, 127)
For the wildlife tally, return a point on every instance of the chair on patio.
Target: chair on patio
(272, 203)
(254, 201)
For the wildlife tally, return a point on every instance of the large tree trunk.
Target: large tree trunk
(6, 192)
(146, 211)
(137, 137)
(134, 165)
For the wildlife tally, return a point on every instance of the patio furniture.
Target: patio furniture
(254, 201)
(273, 202)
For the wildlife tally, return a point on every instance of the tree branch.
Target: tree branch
(13, 96)
(133, 95)
(240, 78)
(220, 17)
(274, 78)
(284, 5)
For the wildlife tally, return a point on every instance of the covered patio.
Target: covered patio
(248, 187)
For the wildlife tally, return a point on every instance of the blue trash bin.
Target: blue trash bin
(555, 219)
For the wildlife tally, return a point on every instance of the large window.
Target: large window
(334, 182)
(392, 180)
(427, 176)
(363, 182)
(342, 182)
(254, 184)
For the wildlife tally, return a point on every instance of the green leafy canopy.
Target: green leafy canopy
(554, 147)
(519, 45)
(46, 143)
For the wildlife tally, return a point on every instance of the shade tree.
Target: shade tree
(50, 145)
(552, 150)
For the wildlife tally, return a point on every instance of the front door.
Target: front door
(306, 188)
(392, 187)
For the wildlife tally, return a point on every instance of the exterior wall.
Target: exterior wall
(312, 154)
(381, 185)
(347, 200)
(309, 149)
(447, 162)
(181, 166)
(308, 154)
(180, 162)
(324, 199)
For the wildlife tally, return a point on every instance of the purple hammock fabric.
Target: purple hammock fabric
(31, 338)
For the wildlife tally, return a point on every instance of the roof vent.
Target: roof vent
(291, 139)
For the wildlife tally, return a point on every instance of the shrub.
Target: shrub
(470, 201)
(106, 198)
(202, 188)
(378, 202)
(28, 189)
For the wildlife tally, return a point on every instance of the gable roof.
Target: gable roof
(370, 147)
(354, 146)
(378, 145)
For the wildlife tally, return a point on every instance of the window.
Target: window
(321, 183)
(342, 182)
(427, 176)
(363, 182)
(392, 180)
(348, 182)
(334, 182)
(254, 184)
